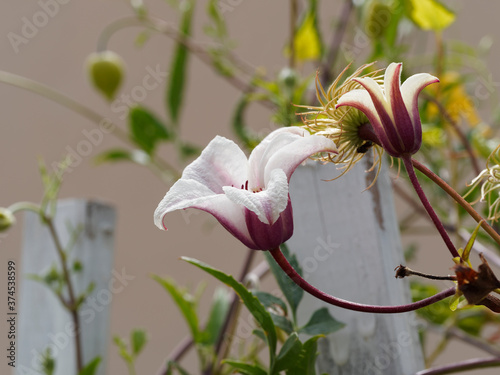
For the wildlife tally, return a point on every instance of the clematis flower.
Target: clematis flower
(342, 124)
(249, 197)
(392, 109)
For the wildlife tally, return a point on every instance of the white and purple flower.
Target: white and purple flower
(249, 197)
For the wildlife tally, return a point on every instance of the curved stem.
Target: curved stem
(458, 198)
(297, 279)
(430, 211)
(24, 206)
(470, 364)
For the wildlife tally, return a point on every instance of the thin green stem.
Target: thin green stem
(297, 279)
(407, 161)
(458, 198)
(71, 304)
(24, 206)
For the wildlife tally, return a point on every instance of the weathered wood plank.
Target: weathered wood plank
(348, 244)
(43, 322)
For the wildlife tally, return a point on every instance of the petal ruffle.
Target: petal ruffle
(267, 204)
(266, 149)
(192, 194)
(289, 157)
(222, 163)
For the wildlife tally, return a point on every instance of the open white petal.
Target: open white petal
(267, 148)
(267, 204)
(192, 194)
(222, 163)
(410, 90)
(392, 79)
(289, 157)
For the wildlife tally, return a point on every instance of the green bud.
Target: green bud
(106, 72)
(7, 219)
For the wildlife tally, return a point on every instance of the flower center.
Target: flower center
(245, 187)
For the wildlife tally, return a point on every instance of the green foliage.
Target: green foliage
(146, 130)
(130, 352)
(321, 323)
(178, 70)
(91, 367)
(47, 363)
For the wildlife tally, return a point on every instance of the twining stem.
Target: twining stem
(470, 364)
(71, 304)
(458, 198)
(297, 279)
(407, 161)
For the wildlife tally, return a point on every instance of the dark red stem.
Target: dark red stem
(430, 211)
(297, 279)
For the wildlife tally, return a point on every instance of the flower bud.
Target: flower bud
(106, 72)
(7, 219)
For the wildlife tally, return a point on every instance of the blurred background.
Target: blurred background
(33, 127)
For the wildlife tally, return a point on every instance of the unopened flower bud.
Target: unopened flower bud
(106, 72)
(7, 219)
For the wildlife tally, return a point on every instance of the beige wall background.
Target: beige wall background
(32, 127)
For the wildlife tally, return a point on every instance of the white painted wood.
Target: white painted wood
(348, 244)
(43, 322)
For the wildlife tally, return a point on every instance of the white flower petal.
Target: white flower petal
(410, 90)
(266, 149)
(289, 157)
(266, 204)
(392, 79)
(222, 163)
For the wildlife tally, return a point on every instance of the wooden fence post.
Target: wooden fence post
(347, 242)
(43, 322)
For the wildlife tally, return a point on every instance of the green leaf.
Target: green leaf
(321, 323)
(146, 130)
(436, 313)
(185, 303)
(429, 14)
(292, 292)
(282, 322)
(271, 302)
(220, 307)
(245, 368)
(178, 71)
(123, 350)
(306, 360)
(138, 338)
(472, 323)
(91, 367)
(218, 27)
(253, 305)
(188, 150)
(114, 155)
(288, 354)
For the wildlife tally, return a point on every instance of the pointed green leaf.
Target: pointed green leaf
(171, 365)
(123, 350)
(138, 338)
(245, 368)
(271, 302)
(282, 322)
(292, 292)
(288, 354)
(178, 71)
(430, 14)
(146, 130)
(470, 243)
(321, 323)
(185, 303)
(114, 155)
(251, 302)
(306, 360)
(220, 307)
(91, 367)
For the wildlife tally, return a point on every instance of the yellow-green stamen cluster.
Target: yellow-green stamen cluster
(490, 189)
(342, 124)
